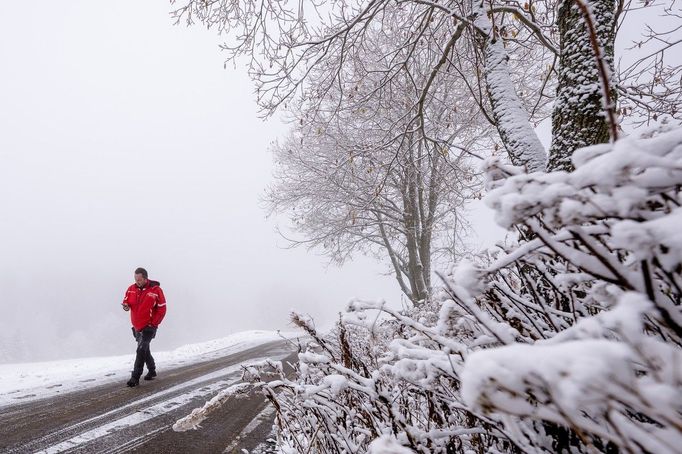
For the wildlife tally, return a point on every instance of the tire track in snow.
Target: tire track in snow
(167, 406)
(259, 419)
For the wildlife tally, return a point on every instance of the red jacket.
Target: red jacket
(147, 304)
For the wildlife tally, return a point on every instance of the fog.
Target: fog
(124, 143)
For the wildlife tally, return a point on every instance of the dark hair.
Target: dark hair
(141, 271)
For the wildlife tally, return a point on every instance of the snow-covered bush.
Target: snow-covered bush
(587, 305)
(568, 340)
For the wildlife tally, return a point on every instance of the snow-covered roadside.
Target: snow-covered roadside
(28, 381)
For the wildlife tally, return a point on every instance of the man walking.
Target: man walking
(147, 305)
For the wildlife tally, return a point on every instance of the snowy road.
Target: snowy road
(113, 418)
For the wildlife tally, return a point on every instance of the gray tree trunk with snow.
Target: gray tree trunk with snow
(417, 229)
(578, 118)
(511, 118)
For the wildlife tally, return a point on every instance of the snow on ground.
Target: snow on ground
(28, 381)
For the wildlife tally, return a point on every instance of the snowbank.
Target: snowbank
(27, 381)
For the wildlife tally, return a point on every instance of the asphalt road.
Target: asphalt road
(113, 418)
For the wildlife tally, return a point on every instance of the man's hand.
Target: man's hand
(125, 307)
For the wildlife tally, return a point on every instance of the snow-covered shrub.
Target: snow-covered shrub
(375, 386)
(568, 340)
(584, 313)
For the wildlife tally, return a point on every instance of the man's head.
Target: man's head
(141, 277)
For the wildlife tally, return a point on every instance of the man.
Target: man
(147, 305)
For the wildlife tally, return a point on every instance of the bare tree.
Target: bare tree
(649, 80)
(481, 41)
(346, 200)
(351, 184)
(284, 49)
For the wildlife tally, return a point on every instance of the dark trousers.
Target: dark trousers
(144, 354)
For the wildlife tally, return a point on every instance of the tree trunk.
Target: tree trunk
(395, 260)
(413, 229)
(511, 119)
(429, 208)
(579, 118)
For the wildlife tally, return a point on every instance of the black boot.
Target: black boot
(150, 375)
(133, 382)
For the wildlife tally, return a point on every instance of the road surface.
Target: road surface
(113, 418)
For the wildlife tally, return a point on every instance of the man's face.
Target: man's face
(140, 280)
